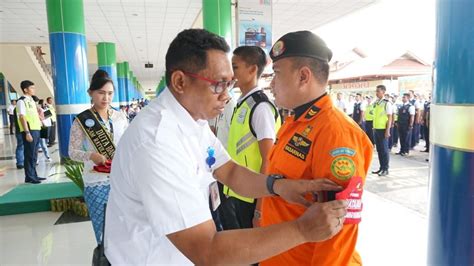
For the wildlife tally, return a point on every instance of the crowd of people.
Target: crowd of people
(407, 121)
(200, 178)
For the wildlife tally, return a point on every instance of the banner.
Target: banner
(254, 23)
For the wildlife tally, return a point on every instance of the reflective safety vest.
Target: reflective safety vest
(31, 116)
(380, 115)
(369, 112)
(53, 112)
(242, 144)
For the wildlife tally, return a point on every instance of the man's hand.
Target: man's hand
(28, 137)
(387, 133)
(322, 221)
(294, 191)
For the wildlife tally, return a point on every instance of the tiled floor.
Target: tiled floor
(393, 230)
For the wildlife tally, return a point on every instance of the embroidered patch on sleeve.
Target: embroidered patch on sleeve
(343, 168)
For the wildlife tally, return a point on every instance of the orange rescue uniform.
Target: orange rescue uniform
(321, 143)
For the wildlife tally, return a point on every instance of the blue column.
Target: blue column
(69, 64)
(451, 210)
(3, 100)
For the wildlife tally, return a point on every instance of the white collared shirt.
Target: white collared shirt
(159, 184)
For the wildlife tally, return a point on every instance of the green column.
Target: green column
(126, 74)
(107, 61)
(217, 18)
(122, 87)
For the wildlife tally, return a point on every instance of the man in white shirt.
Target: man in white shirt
(340, 103)
(30, 126)
(251, 135)
(163, 169)
(350, 105)
(11, 115)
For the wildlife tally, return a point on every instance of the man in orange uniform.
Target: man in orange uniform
(319, 141)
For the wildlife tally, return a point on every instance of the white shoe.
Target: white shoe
(49, 160)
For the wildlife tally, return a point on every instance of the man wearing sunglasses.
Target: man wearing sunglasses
(164, 169)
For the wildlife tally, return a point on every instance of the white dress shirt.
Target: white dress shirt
(159, 184)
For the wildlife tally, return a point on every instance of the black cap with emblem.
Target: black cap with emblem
(301, 43)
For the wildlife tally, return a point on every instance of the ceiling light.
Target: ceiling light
(135, 14)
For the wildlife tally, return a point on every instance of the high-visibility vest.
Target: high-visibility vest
(53, 112)
(242, 144)
(31, 116)
(369, 112)
(380, 115)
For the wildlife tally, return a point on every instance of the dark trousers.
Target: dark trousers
(426, 136)
(31, 155)
(12, 123)
(415, 135)
(52, 133)
(20, 150)
(395, 135)
(236, 214)
(381, 144)
(405, 137)
(369, 130)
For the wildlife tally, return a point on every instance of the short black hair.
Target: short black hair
(11, 101)
(35, 98)
(359, 94)
(252, 55)
(319, 68)
(99, 79)
(25, 84)
(406, 94)
(188, 51)
(47, 99)
(381, 87)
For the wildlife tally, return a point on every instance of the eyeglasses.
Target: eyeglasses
(219, 86)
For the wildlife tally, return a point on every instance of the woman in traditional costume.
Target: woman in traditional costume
(94, 135)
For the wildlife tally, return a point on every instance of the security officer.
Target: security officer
(319, 141)
(30, 126)
(369, 119)
(406, 118)
(359, 110)
(251, 135)
(382, 125)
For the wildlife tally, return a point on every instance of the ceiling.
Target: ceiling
(143, 29)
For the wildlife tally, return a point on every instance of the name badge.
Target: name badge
(215, 198)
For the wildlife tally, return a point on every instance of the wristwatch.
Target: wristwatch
(27, 132)
(271, 181)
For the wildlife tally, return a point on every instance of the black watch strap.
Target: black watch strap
(271, 181)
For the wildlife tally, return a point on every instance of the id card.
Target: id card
(215, 198)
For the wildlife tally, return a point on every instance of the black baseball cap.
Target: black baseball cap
(301, 43)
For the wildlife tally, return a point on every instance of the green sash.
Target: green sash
(98, 134)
